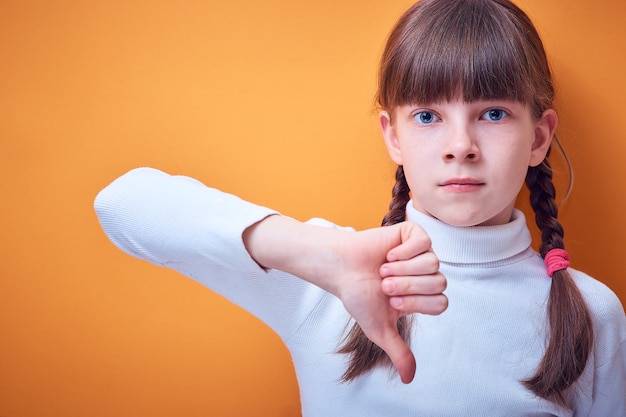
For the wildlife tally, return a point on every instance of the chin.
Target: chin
(468, 215)
(469, 219)
(463, 223)
(454, 220)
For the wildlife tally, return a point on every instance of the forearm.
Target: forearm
(301, 249)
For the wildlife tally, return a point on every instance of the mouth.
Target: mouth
(462, 184)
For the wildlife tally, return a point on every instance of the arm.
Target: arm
(179, 223)
(379, 274)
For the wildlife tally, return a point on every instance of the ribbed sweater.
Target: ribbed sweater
(471, 359)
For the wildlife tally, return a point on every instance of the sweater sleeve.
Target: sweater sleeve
(179, 223)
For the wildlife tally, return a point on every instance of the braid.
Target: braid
(571, 329)
(399, 199)
(364, 354)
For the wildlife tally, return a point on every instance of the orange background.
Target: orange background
(270, 100)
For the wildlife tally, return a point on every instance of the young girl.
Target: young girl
(466, 112)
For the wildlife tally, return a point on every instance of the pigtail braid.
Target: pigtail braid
(364, 354)
(399, 199)
(571, 329)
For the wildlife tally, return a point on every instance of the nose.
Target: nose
(461, 145)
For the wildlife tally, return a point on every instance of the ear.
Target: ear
(390, 136)
(544, 132)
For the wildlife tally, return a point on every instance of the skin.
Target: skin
(465, 164)
(379, 274)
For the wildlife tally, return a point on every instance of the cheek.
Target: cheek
(514, 166)
(419, 150)
(516, 150)
(420, 174)
(510, 159)
(418, 163)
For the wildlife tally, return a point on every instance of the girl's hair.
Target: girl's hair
(482, 49)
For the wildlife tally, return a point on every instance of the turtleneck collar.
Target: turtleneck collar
(475, 244)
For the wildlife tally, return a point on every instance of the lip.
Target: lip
(462, 185)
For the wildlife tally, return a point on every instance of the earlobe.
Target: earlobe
(544, 133)
(390, 137)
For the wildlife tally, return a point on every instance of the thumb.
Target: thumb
(401, 356)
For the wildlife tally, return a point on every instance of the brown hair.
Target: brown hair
(482, 49)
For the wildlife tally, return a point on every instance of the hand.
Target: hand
(379, 274)
(386, 273)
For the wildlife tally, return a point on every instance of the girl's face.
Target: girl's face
(465, 163)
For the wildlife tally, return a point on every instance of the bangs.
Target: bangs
(465, 49)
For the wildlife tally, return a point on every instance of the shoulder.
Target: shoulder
(609, 320)
(602, 301)
(597, 294)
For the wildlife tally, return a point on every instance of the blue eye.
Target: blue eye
(494, 115)
(425, 117)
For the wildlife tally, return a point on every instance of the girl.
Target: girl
(466, 112)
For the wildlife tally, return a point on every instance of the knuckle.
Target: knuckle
(425, 242)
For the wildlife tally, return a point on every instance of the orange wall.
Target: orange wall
(270, 100)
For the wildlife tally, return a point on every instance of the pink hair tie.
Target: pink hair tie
(556, 260)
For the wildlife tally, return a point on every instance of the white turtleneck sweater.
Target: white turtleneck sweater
(470, 359)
